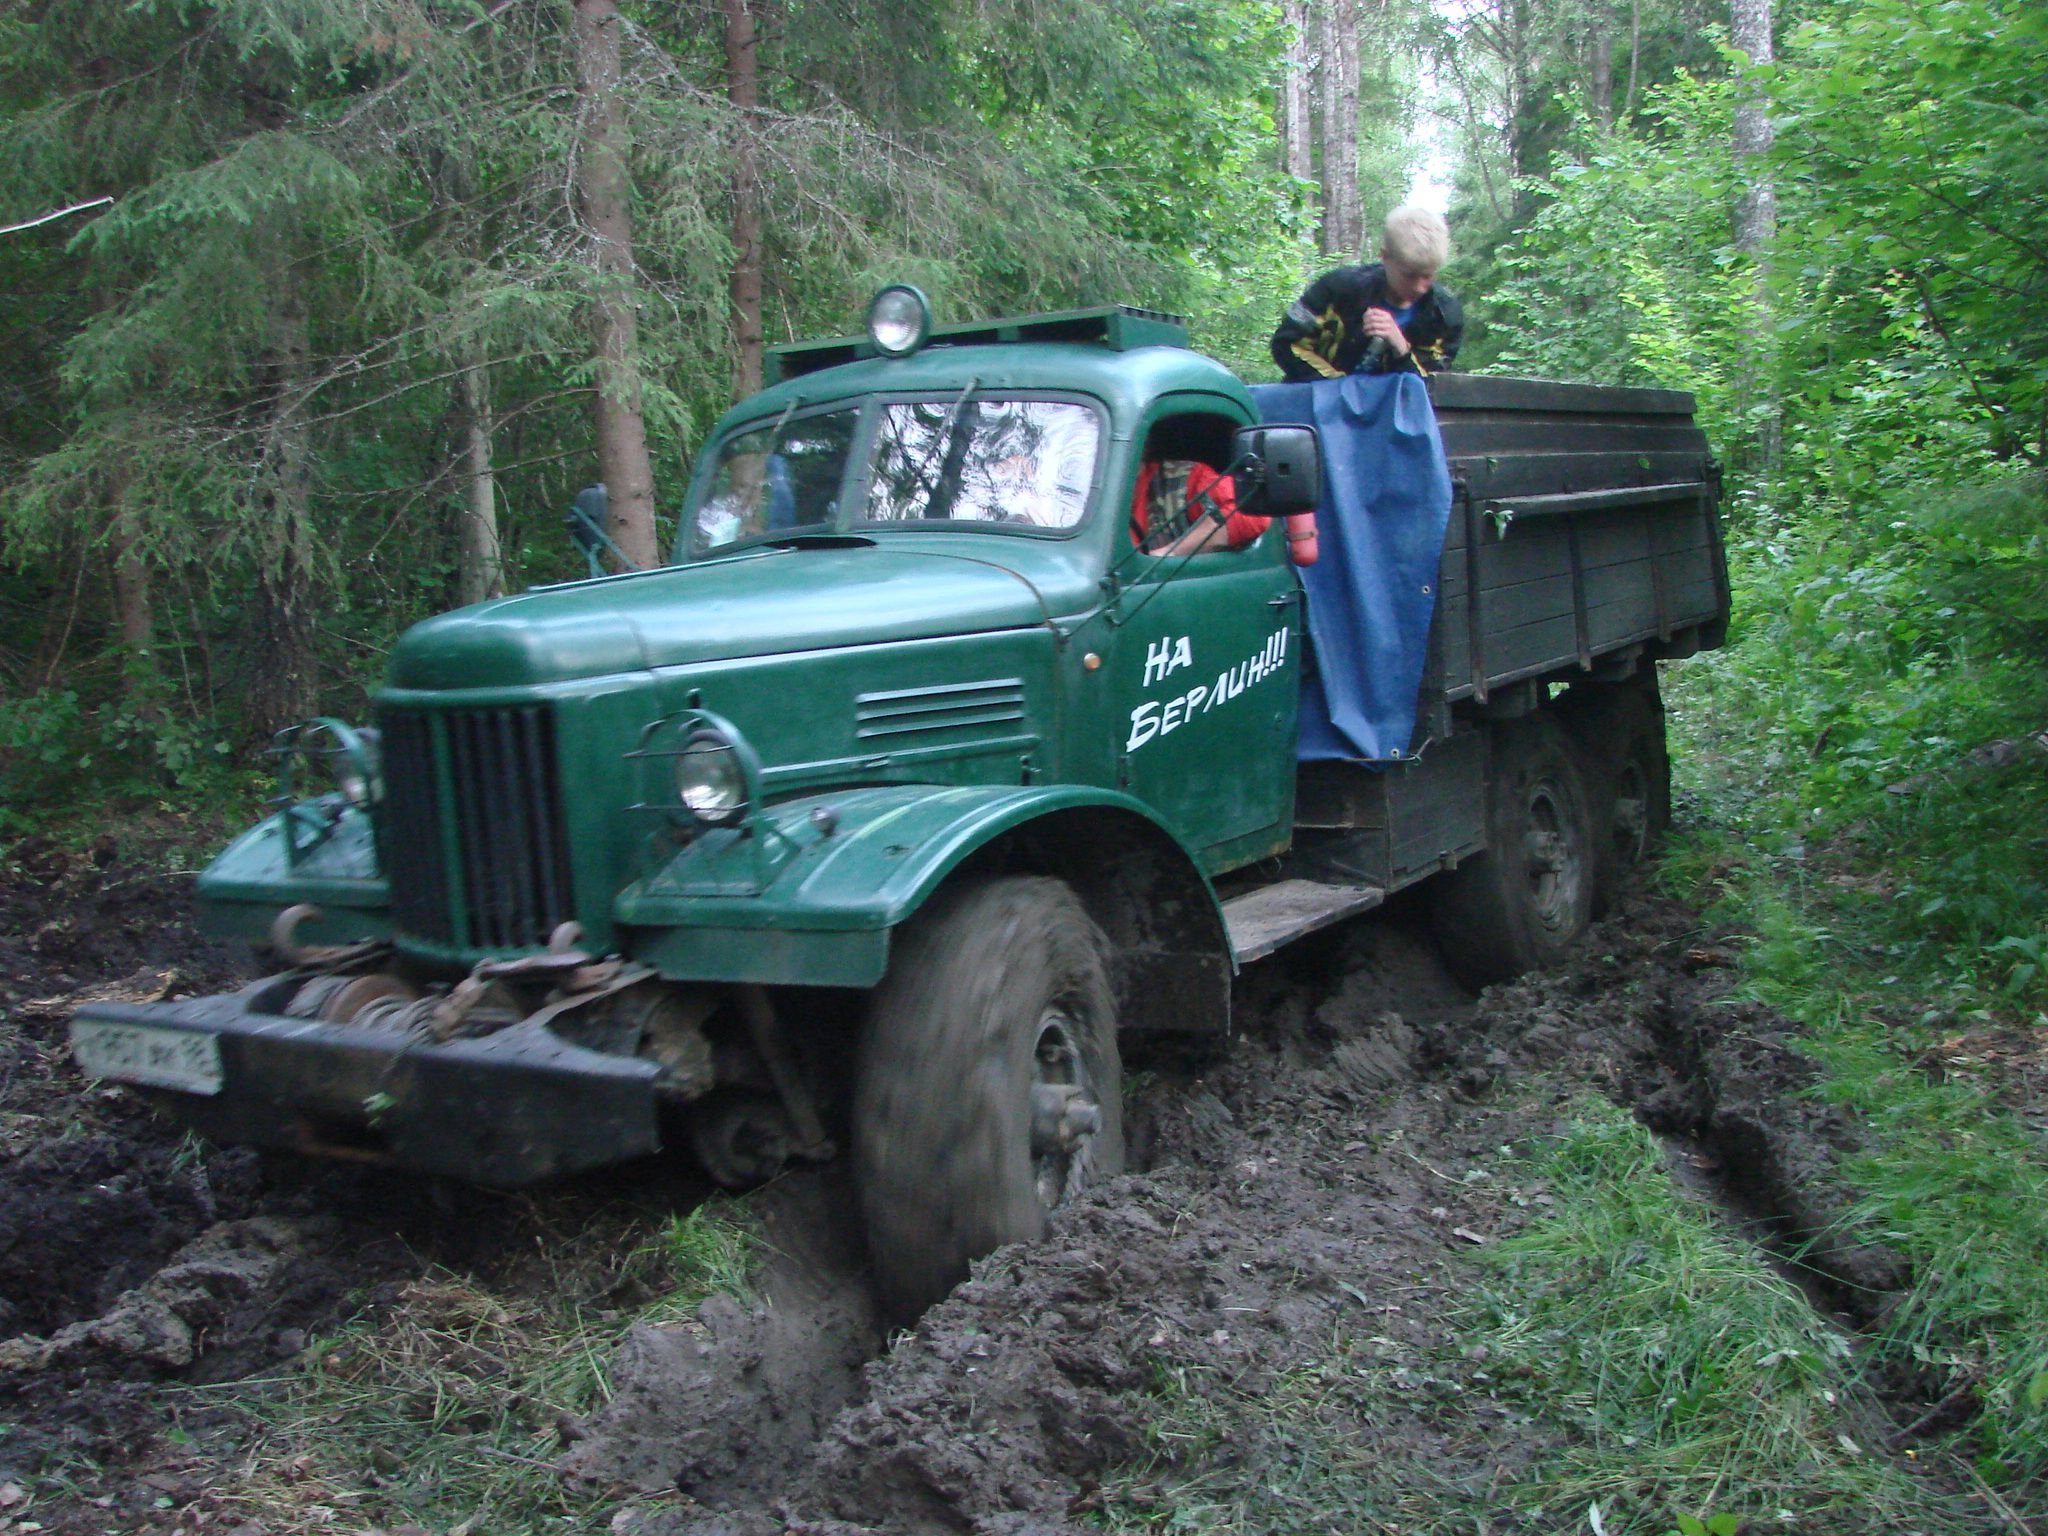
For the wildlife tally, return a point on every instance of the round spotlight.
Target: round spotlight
(899, 320)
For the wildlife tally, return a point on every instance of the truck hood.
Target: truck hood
(762, 602)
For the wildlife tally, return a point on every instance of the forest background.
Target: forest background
(321, 311)
(318, 313)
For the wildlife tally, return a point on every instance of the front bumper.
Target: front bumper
(506, 1109)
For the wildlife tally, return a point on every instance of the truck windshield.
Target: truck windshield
(780, 478)
(982, 460)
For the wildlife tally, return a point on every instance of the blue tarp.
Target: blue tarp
(1386, 501)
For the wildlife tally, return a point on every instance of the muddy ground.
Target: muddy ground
(1333, 1170)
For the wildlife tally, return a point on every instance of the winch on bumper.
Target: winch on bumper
(342, 1059)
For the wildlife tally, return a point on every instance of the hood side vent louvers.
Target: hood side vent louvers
(890, 719)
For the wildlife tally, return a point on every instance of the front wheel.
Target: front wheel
(1523, 902)
(989, 1088)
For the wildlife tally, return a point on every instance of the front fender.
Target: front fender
(809, 894)
(255, 878)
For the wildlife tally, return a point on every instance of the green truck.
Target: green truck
(874, 820)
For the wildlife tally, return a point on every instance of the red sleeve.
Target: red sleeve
(1239, 528)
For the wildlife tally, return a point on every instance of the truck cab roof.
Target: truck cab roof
(1125, 379)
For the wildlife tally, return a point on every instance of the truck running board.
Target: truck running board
(1261, 921)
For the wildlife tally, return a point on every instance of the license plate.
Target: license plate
(142, 1053)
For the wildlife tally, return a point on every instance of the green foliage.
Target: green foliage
(1625, 275)
(1887, 676)
(1916, 131)
(59, 756)
(248, 370)
(1866, 754)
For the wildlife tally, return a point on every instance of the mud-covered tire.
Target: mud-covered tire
(1523, 902)
(1618, 735)
(989, 1050)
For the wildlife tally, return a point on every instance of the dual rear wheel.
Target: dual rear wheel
(1577, 797)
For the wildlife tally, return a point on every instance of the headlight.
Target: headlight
(325, 757)
(359, 774)
(711, 782)
(899, 320)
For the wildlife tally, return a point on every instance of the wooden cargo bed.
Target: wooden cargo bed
(1582, 527)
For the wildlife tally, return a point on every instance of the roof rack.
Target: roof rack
(1119, 327)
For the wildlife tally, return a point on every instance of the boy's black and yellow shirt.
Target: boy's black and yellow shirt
(1322, 335)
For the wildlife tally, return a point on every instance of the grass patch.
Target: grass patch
(1348, 1442)
(1629, 1350)
(1864, 759)
(1689, 1378)
(444, 1409)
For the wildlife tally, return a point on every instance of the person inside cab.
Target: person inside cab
(1184, 505)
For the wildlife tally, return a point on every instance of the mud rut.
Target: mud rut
(1332, 1168)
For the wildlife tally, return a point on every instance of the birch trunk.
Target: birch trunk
(1601, 68)
(1756, 219)
(742, 85)
(1338, 72)
(1296, 115)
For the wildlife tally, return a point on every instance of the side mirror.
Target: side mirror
(1277, 470)
(585, 522)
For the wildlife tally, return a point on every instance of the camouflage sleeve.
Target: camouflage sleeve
(1453, 332)
(1308, 334)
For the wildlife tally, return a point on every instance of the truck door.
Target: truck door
(1208, 664)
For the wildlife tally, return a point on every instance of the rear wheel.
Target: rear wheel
(1523, 902)
(989, 1086)
(1618, 734)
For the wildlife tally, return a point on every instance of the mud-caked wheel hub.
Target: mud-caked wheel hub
(1066, 1114)
(989, 1082)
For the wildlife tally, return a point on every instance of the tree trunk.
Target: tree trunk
(604, 194)
(282, 685)
(742, 86)
(1601, 68)
(1296, 116)
(1756, 219)
(60, 617)
(478, 572)
(1635, 58)
(1524, 117)
(134, 611)
(1756, 216)
(1338, 60)
(1345, 131)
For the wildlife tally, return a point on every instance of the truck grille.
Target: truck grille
(473, 834)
